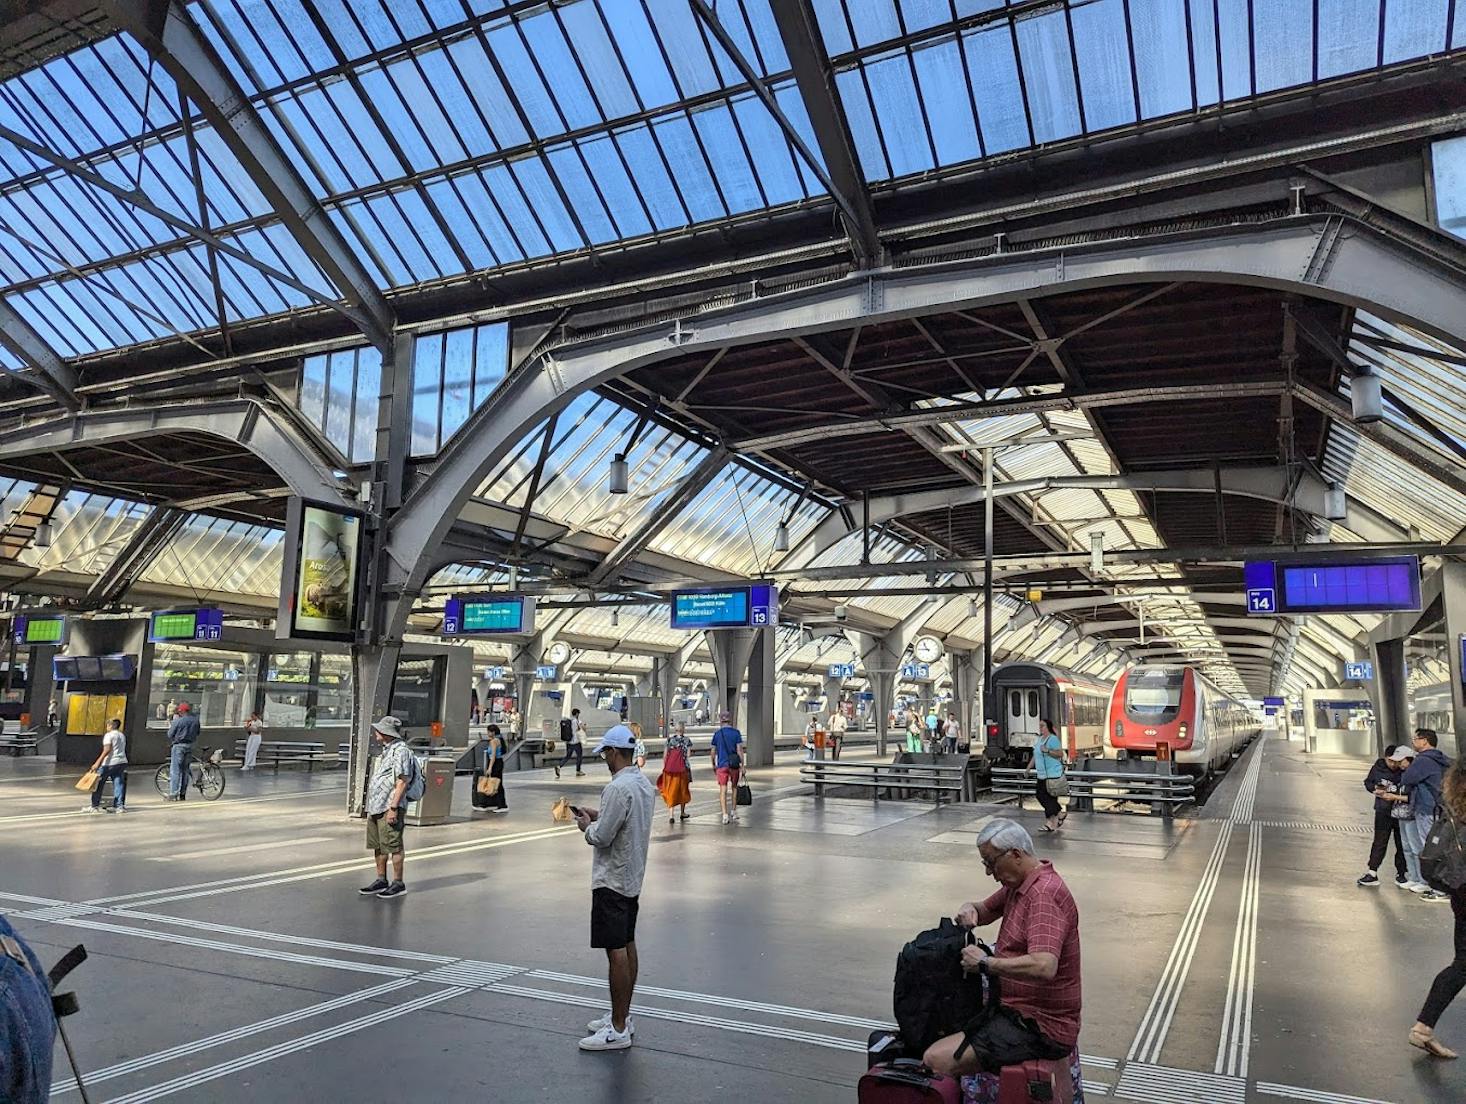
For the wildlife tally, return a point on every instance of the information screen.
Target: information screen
(711, 609)
(190, 624)
(320, 589)
(118, 668)
(43, 629)
(1381, 585)
(89, 668)
(63, 668)
(488, 616)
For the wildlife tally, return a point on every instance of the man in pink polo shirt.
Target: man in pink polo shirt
(1036, 956)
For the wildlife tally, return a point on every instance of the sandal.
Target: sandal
(1431, 1045)
(1063, 817)
(1046, 828)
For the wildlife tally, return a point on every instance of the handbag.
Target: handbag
(1443, 856)
(488, 785)
(1057, 787)
(87, 782)
(745, 795)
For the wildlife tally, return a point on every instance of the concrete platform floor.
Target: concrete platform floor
(1228, 958)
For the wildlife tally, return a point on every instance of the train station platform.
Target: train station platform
(1228, 956)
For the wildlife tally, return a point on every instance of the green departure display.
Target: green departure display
(44, 630)
(175, 626)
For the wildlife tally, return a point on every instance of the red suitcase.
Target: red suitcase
(1037, 1082)
(907, 1081)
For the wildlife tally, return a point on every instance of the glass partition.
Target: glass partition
(218, 685)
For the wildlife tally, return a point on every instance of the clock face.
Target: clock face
(559, 652)
(928, 649)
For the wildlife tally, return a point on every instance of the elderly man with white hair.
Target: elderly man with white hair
(1035, 957)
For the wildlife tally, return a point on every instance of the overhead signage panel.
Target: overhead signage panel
(1380, 585)
(489, 615)
(735, 607)
(842, 670)
(546, 672)
(33, 628)
(1273, 701)
(916, 670)
(1363, 671)
(185, 624)
(320, 593)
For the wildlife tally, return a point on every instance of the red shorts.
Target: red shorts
(727, 776)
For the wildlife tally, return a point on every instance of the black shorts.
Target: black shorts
(612, 919)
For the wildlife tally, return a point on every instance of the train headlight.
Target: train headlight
(1119, 729)
(1183, 730)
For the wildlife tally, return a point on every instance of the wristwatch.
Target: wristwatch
(982, 967)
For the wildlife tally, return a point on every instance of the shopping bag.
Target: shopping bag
(560, 811)
(87, 782)
(745, 795)
(488, 785)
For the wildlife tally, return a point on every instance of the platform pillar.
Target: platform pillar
(1453, 598)
(965, 668)
(762, 699)
(374, 669)
(1392, 707)
(731, 650)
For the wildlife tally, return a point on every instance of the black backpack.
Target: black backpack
(567, 730)
(932, 997)
(1443, 855)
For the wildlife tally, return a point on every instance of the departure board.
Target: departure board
(186, 624)
(33, 628)
(489, 615)
(735, 607)
(1381, 585)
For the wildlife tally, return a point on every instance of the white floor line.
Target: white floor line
(269, 1054)
(277, 937)
(1235, 1044)
(149, 809)
(1315, 1096)
(147, 1061)
(238, 849)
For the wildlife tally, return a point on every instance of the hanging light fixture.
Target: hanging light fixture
(972, 607)
(619, 478)
(1335, 503)
(615, 617)
(781, 537)
(43, 535)
(1366, 398)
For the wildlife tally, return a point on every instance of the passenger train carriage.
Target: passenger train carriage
(1179, 707)
(1025, 693)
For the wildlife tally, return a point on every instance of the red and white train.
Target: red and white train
(1026, 693)
(1178, 707)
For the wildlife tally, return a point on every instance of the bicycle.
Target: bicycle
(204, 773)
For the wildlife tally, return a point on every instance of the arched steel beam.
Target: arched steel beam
(1269, 484)
(1327, 257)
(246, 422)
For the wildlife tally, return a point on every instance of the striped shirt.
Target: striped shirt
(1040, 917)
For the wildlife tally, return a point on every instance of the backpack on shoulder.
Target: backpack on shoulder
(417, 782)
(567, 730)
(932, 997)
(1443, 855)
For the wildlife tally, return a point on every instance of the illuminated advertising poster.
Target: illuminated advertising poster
(323, 567)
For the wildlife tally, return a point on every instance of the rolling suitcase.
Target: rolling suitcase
(907, 1081)
(885, 1045)
(1039, 1081)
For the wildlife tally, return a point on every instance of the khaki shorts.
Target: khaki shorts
(384, 838)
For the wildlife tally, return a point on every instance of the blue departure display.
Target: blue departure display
(710, 609)
(1381, 585)
(488, 615)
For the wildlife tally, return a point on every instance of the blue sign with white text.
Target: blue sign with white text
(546, 673)
(1377, 585)
(842, 670)
(1359, 672)
(916, 670)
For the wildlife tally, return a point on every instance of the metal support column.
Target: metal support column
(1453, 599)
(762, 698)
(1393, 707)
(987, 583)
(731, 650)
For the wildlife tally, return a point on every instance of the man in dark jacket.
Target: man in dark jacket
(27, 1024)
(1422, 783)
(183, 734)
(1384, 777)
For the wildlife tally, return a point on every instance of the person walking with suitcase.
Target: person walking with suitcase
(492, 771)
(1384, 778)
(621, 832)
(572, 729)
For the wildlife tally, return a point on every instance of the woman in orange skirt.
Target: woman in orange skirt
(675, 782)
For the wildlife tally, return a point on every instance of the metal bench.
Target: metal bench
(898, 781)
(288, 751)
(20, 743)
(1163, 792)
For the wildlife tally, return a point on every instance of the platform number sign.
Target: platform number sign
(1362, 671)
(842, 670)
(916, 671)
(1260, 581)
(1261, 600)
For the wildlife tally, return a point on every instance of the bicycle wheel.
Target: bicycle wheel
(161, 780)
(211, 782)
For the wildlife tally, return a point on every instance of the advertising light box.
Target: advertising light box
(735, 607)
(320, 591)
(489, 615)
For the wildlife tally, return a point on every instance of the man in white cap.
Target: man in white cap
(620, 831)
(386, 807)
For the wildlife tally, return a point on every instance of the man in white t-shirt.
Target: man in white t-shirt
(112, 763)
(837, 731)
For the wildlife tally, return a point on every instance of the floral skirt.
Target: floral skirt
(983, 1087)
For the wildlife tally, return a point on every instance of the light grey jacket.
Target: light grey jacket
(622, 833)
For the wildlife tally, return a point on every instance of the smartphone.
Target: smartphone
(576, 809)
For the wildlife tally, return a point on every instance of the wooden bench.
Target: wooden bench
(898, 781)
(288, 751)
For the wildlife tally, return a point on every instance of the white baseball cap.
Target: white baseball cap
(1404, 751)
(617, 736)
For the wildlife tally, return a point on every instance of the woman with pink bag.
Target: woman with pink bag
(675, 783)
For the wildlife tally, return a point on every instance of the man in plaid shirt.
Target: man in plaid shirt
(1036, 954)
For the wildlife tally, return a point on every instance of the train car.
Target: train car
(1179, 707)
(1025, 693)
(1430, 707)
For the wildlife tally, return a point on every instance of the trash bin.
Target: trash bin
(436, 802)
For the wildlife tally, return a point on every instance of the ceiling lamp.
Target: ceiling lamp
(619, 478)
(43, 535)
(1335, 502)
(972, 607)
(615, 617)
(1366, 398)
(781, 537)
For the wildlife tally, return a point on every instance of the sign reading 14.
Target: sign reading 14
(1261, 600)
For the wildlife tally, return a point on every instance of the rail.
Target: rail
(1165, 791)
(898, 780)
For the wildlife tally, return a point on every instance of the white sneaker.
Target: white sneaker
(734, 814)
(1418, 887)
(1405, 884)
(604, 1022)
(608, 1038)
(725, 818)
(91, 808)
(120, 809)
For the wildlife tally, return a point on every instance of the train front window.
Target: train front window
(1154, 696)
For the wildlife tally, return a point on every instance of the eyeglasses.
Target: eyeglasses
(989, 864)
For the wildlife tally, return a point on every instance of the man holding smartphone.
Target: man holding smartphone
(620, 831)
